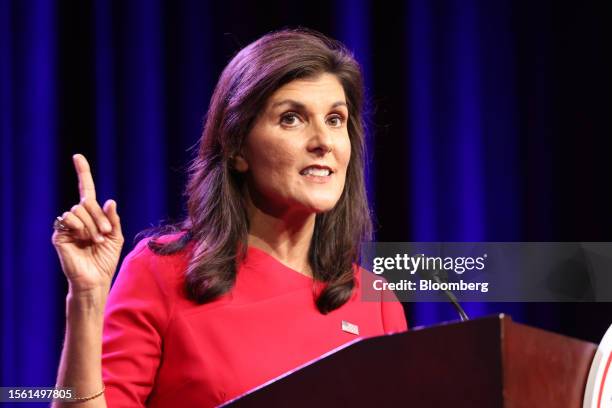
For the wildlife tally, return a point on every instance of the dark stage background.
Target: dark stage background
(489, 121)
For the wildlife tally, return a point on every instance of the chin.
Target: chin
(322, 206)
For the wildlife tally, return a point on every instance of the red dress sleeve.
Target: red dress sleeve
(137, 313)
(393, 316)
(391, 310)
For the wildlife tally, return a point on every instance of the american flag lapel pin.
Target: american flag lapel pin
(350, 327)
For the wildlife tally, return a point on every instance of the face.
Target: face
(296, 156)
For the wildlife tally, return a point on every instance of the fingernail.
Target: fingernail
(99, 238)
(106, 226)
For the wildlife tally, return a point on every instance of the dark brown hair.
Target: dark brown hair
(217, 225)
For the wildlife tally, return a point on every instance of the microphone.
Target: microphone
(440, 277)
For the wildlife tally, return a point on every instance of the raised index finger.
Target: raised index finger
(86, 184)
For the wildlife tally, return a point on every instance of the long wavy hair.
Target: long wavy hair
(216, 226)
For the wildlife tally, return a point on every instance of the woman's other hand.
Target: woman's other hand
(89, 239)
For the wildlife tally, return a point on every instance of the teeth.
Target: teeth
(316, 172)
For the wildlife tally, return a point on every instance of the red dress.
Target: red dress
(162, 350)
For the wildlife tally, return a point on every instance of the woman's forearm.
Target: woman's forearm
(81, 362)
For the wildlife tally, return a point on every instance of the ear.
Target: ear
(240, 163)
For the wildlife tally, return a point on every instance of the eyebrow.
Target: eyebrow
(300, 105)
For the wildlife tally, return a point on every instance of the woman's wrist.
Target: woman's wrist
(91, 300)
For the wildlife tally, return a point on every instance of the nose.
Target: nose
(321, 141)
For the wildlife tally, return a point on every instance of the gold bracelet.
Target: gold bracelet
(83, 399)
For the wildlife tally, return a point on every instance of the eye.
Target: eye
(290, 119)
(336, 120)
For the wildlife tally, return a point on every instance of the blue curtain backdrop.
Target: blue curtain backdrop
(487, 122)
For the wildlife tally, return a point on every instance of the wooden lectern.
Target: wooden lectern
(488, 362)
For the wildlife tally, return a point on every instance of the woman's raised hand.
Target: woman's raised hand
(89, 241)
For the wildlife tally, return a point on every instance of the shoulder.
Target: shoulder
(365, 279)
(145, 268)
(372, 289)
(144, 250)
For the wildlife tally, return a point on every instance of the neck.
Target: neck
(286, 237)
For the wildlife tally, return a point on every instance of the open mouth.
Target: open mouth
(317, 171)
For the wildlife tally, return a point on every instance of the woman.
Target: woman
(260, 277)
